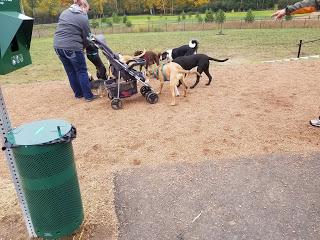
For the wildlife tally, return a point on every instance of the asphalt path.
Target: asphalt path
(263, 197)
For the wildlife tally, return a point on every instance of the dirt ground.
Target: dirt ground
(248, 110)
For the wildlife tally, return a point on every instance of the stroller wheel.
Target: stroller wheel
(110, 95)
(152, 97)
(144, 90)
(116, 104)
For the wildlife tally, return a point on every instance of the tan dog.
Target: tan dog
(174, 73)
(127, 58)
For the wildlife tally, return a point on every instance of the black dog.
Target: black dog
(201, 61)
(185, 50)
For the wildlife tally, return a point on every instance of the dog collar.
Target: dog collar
(163, 73)
(155, 73)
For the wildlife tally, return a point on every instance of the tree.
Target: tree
(115, 18)
(183, 15)
(209, 16)
(199, 3)
(98, 6)
(249, 16)
(220, 18)
(94, 24)
(124, 19)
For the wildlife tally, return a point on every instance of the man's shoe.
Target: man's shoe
(315, 122)
(92, 98)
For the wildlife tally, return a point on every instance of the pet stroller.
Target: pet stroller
(124, 83)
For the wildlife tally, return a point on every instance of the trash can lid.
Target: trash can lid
(39, 132)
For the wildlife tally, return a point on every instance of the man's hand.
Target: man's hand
(279, 14)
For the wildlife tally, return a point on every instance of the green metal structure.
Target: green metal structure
(39, 154)
(16, 33)
(45, 162)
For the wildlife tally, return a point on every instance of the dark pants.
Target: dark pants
(97, 62)
(75, 66)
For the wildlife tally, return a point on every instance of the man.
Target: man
(70, 39)
(306, 6)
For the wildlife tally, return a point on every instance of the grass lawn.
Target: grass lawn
(143, 19)
(242, 46)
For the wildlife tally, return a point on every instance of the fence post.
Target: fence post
(300, 45)
(166, 27)
(202, 25)
(304, 25)
(241, 24)
(184, 26)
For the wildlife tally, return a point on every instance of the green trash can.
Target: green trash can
(45, 162)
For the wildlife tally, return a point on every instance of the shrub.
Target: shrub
(200, 19)
(288, 17)
(109, 23)
(124, 19)
(94, 24)
(249, 16)
(128, 23)
(104, 20)
(115, 18)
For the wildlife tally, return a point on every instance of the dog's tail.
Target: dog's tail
(189, 72)
(218, 60)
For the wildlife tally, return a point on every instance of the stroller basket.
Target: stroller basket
(127, 89)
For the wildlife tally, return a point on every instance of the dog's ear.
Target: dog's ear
(136, 53)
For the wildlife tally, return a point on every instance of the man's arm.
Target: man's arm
(306, 6)
(85, 30)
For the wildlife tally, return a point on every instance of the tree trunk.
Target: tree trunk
(171, 7)
(164, 8)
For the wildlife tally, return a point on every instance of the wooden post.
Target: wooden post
(300, 45)
(305, 20)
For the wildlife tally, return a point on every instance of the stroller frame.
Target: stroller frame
(125, 82)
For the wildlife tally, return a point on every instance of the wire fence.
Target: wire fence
(301, 43)
(48, 30)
